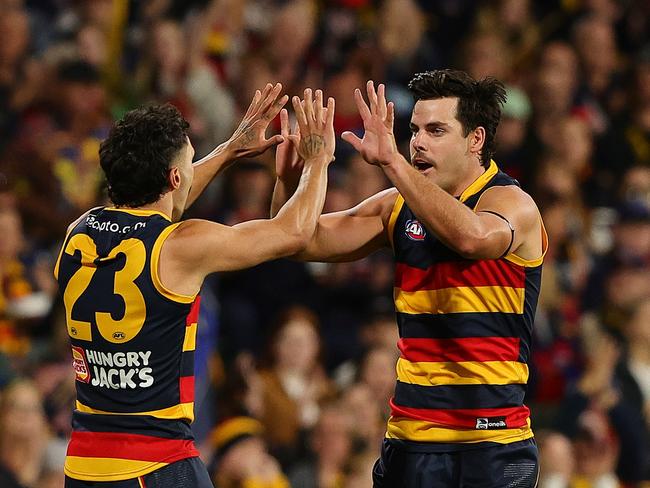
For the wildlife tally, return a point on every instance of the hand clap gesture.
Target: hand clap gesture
(378, 143)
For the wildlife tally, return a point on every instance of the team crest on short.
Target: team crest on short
(414, 230)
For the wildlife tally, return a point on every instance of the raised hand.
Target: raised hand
(288, 165)
(249, 139)
(378, 143)
(316, 124)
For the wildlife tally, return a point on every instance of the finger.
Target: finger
(352, 139)
(390, 117)
(309, 105)
(301, 118)
(271, 97)
(318, 107)
(329, 123)
(381, 101)
(254, 102)
(372, 96)
(273, 110)
(284, 122)
(363, 109)
(263, 96)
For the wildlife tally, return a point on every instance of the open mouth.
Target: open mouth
(421, 166)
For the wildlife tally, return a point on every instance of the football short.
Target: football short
(186, 472)
(495, 466)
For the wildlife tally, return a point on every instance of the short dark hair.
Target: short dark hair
(479, 102)
(138, 152)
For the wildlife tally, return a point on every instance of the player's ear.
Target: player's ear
(174, 178)
(476, 140)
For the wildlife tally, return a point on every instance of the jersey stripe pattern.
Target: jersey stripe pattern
(465, 332)
(133, 345)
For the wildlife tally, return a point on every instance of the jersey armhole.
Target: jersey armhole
(155, 277)
(531, 263)
(397, 208)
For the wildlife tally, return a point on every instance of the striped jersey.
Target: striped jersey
(132, 347)
(465, 331)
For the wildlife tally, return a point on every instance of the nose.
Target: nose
(417, 140)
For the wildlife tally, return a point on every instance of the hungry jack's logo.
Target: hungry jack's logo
(414, 230)
(80, 365)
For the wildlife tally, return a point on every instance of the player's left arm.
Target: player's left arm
(248, 140)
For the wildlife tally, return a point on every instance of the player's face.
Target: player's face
(186, 170)
(439, 148)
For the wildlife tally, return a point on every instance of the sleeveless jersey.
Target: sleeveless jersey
(132, 347)
(465, 331)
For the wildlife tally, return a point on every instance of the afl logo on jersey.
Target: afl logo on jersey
(414, 230)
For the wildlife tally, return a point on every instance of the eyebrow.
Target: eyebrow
(431, 125)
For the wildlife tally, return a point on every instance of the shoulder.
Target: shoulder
(509, 196)
(80, 219)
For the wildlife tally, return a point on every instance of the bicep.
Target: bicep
(352, 234)
(507, 215)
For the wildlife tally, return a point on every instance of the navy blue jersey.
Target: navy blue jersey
(465, 332)
(133, 347)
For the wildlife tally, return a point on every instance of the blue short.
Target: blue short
(186, 472)
(494, 466)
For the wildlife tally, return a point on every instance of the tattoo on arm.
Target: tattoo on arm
(311, 145)
(246, 138)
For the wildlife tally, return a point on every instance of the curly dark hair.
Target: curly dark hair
(137, 154)
(479, 102)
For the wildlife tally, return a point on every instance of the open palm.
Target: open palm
(378, 145)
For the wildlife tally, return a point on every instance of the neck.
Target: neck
(472, 176)
(164, 205)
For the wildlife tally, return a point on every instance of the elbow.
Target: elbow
(471, 246)
(298, 240)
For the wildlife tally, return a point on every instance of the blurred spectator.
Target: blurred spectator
(331, 447)
(294, 382)
(242, 457)
(23, 435)
(556, 460)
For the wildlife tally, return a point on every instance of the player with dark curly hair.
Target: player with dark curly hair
(468, 246)
(130, 275)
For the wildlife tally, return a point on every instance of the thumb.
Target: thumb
(273, 141)
(352, 139)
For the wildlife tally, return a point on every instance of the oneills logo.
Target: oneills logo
(414, 230)
(80, 365)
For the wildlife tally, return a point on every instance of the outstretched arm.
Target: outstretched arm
(248, 140)
(340, 236)
(477, 233)
(199, 247)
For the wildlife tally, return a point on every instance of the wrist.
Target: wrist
(227, 150)
(321, 159)
(394, 163)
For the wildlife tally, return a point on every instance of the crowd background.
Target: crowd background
(295, 362)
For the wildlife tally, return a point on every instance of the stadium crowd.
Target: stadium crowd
(296, 362)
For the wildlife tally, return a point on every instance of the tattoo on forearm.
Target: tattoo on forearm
(311, 145)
